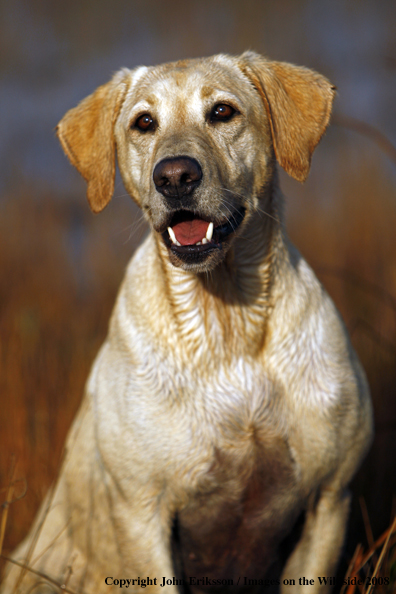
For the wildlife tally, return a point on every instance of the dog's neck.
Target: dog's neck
(212, 310)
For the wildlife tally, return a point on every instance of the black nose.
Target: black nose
(177, 177)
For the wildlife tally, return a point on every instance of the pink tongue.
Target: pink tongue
(190, 232)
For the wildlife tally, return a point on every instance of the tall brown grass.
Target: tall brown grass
(60, 268)
(59, 272)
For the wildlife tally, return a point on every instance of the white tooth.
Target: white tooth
(204, 240)
(199, 243)
(209, 232)
(172, 235)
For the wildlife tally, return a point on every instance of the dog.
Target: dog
(226, 406)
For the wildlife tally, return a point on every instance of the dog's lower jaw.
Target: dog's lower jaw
(199, 262)
(205, 255)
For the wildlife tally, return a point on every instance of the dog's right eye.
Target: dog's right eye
(144, 123)
(222, 113)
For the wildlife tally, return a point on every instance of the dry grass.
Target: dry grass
(60, 268)
(59, 273)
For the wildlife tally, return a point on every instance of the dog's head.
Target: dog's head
(196, 143)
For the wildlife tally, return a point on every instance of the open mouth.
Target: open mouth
(189, 234)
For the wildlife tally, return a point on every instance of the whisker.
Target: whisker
(259, 209)
(262, 211)
(226, 204)
(134, 227)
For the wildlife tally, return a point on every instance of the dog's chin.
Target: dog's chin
(199, 262)
(205, 254)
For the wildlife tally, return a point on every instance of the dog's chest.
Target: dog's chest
(237, 477)
(233, 522)
(209, 426)
(218, 446)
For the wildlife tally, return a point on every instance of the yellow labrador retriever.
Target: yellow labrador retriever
(227, 401)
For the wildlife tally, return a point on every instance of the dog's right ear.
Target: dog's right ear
(86, 135)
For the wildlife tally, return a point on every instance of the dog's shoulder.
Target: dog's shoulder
(311, 356)
(307, 326)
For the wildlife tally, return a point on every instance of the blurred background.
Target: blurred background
(61, 266)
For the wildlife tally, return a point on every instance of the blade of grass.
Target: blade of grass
(6, 504)
(351, 566)
(352, 587)
(383, 538)
(366, 521)
(45, 577)
(381, 557)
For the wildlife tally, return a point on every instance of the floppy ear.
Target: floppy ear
(86, 136)
(298, 102)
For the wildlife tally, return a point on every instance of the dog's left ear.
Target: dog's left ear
(298, 102)
(86, 135)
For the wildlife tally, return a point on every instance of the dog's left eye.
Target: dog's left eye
(145, 122)
(222, 112)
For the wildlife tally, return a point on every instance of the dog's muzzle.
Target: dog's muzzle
(190, 235)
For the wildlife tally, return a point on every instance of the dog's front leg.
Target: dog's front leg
(100, 532)
(125, 532)
(318, 549)
(145, 551)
